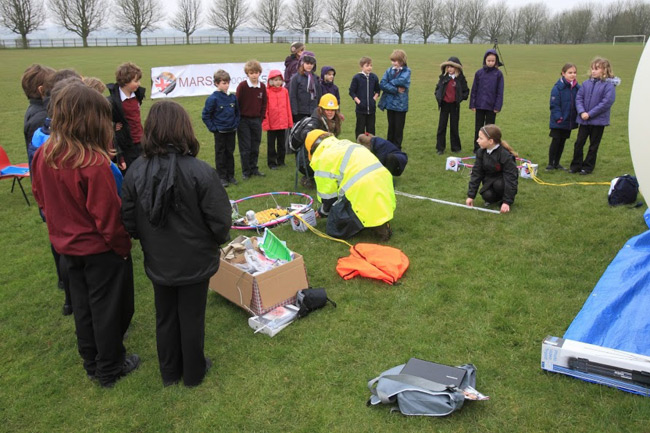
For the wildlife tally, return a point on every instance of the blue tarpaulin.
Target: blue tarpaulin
(617, 313)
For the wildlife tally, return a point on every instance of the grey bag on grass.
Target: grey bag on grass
(418, 396)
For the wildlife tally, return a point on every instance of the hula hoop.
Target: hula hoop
(275, 221)
(524, 162)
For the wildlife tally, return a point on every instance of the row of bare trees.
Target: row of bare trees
(467, 20)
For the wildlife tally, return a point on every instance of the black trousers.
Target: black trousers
(449, 112)
(249, 135)
(365, 123)
(396, 122)
(101, 286)
(483, 117)
(62, 275)
(594, 133)
(224, 154)
(180, 331)
(275, 142)
(131, 153)
(555, 151)
(494, 193)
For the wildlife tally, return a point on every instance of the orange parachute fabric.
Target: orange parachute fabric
(379, 262)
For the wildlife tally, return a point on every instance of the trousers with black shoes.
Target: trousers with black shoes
(101, 287)
(275, 142)
(224, 154)
(180, 331)
(249, 135)
(449, 112)
(594, 133)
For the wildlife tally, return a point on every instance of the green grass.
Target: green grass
(481, 288)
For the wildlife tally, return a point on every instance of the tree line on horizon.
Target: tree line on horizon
(452, 20)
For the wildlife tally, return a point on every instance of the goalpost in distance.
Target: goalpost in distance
(638, 37)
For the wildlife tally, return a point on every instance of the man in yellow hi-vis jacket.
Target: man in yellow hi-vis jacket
(355, 189)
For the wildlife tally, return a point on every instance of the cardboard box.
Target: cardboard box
(261, 293)
(623, 370)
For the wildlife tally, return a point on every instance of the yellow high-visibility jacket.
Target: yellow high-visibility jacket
(342, 167)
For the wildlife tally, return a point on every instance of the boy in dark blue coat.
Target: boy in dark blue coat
(364, 90)
(221, 116)
(486, 97)
(386, 152)
(563, 114)
(327, 74)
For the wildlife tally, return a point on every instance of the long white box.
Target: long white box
(616, 368)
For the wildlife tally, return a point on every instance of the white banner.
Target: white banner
(196, 80)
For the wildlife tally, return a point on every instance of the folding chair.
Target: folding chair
(15, 172)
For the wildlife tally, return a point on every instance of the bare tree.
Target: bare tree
(636, 17)
(400, 21)
(306, 15)
(513, 25)
(533, 20)
(138, 16)
(473, 19)
(608, 21)
(558, 28)
(268, 15)
(340, 16)
(22, 17)
(579, 21)
(426, 17)
(370, 18)
(228, 15)
(451, 19)
(495, 20)
(81, 17)
(187, 18)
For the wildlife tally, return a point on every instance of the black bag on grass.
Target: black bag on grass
(624, 190)
(309, 300)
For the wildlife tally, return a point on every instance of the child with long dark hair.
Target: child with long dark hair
(175, 204)
(73, 185)
(495, 168)
(563, 114)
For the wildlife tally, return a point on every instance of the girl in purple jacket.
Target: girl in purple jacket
(486, 98)
(593, 104)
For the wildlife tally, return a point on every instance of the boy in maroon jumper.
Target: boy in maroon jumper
(126, 96)
(251, 95)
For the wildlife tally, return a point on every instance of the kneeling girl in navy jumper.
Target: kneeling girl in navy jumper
(495, 168)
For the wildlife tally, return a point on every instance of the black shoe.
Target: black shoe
(440, 152)
(131, 363)
(550, 167)
(384, 231)
(258, 173)
(67, 309)
(282, 164)
(245, 176)
(584, 172)
(233, 181)
(559, 167)
(273, 167)
(225, 183)
(572, 171)
(167, 383)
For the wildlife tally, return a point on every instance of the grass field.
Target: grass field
(482, 288)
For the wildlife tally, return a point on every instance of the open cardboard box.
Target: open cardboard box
(261, 293)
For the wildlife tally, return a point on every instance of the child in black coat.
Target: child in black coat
(451, 90)
(495, 168)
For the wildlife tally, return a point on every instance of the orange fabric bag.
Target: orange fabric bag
(379, 262)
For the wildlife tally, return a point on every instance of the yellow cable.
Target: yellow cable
(541, 182)
(319, 233)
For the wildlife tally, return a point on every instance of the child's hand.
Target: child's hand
(473, 109)
(376, 96)
(469, 202)
(357, 100)
(496, 111)
(121, 164)
(505, 208)
(118, 126)
(585, 116)
(401, 89)
(559, 120)
(342, 117)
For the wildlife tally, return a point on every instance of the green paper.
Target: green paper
(274, 248)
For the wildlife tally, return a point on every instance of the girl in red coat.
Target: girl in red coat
(278, 119)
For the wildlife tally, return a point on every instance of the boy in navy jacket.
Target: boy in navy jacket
(221, 116)
(364, 90)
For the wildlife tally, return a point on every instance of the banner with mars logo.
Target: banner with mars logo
(196, 80)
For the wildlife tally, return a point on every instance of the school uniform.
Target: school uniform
(496, 169)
